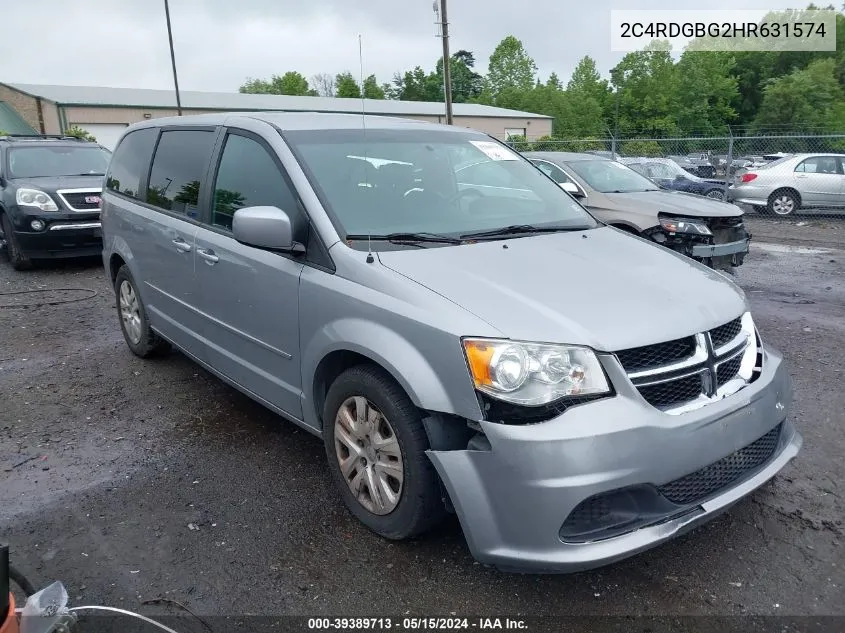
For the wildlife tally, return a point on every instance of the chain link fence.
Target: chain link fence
(784, 177)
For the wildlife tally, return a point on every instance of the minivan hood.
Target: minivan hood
(674, 202)
(602, 288)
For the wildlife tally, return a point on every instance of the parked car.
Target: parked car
(697, 165)
(459, 331)
(50, 197)
(668, 174)
(709, 231)
(794, 182)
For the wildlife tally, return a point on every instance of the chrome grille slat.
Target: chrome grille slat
(69, 198)
(691, 372)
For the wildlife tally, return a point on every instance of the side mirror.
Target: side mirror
(265, 227)
(572, 189)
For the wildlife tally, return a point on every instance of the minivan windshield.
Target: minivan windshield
(437, 183)
(58, 160)
(608, 176)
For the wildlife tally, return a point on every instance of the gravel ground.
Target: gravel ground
(152, 479)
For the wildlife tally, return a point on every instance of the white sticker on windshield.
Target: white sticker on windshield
(494, 151)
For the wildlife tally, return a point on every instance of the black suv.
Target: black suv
(50, 190)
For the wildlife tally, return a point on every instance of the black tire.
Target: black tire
(715, 194)
(17, 257)
(149, 343)
(783, 199)
(420, 506)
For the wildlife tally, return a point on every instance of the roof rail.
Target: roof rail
(62, 137)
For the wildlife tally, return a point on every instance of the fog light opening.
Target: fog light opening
(37, 225)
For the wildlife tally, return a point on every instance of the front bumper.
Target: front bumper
(513, 499)
(720, 250)
(62, 239)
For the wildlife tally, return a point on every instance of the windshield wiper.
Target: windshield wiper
(517, 229)
(88, 173)
(399, 238)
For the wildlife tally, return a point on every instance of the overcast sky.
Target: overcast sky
(221, 42)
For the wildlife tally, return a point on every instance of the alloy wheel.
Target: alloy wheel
(130, 312)
(783, 205)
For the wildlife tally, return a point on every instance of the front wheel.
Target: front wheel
(375, 443)
(783, 202)
(715, 194)
(16, 256)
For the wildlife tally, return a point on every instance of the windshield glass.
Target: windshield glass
(436, 182)
(58, 160)
(607, 176)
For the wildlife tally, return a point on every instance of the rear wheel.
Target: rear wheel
(783, 202)
(375, 443)
(140, 338)
(16, 256)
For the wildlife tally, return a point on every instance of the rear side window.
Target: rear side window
(179, 165)
(130, 162)
(249, 177)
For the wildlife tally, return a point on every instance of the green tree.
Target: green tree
(808, 99)
(707, 92)
(78, 132)
(291, 83)
(466, 83)
(372, 89)
(417, 85)
(648, 93)
(586, 81)
(346, 86)
(510, 68)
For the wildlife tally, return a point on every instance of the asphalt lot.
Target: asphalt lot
(152, 479)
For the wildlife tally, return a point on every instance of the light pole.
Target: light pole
(447, 75)
(173, 59)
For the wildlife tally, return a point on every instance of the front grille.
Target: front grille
(724, 334)
(77, 200)
(728, 369)
(726, 230)
(703, 483)
(671, 393)
(649, 356)
(661, 372)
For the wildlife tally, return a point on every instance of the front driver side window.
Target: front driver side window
(249, 177)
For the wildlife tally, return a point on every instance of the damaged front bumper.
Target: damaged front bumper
(517, 490)
(726, 248)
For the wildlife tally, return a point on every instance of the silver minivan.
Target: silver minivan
(467, 341)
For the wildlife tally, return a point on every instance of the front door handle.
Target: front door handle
(181, 245)
(208, 255)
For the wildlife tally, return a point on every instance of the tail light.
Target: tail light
(748, 177)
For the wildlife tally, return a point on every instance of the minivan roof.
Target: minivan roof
(306, 121)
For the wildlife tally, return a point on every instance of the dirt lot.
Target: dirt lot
(132, 480)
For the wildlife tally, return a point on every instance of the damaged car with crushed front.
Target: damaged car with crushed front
(704, 229)
(462, 335)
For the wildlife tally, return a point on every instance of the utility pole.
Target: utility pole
(173, 58)
(447, 75)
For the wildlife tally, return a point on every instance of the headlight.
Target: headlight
(533, 374)
(684, 225)
(35, 198)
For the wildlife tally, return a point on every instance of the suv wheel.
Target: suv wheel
(133, 317)
(16, 256)
(375, 443)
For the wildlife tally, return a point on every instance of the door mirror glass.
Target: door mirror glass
(264, 227)
(571, 188)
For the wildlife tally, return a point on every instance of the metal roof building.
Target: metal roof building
(106, 111)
